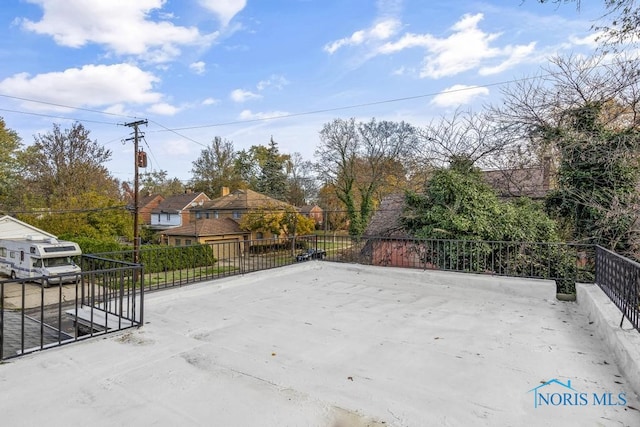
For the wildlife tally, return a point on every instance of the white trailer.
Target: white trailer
(35, 257)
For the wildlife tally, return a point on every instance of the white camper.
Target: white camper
(38, 256)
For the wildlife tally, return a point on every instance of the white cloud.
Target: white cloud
(249, 115)
(517, 55)
(467, 47)
(382, 30)
(122, 26)
(274, 81)
(225, 10)
(210, 101)
(241, 95)
(198, 67)
(89, 86)
(589, 40)
(163, 109)
(459, 95)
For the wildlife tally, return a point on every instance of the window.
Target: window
(198, 215)
(236, 214)
(168, 217)
(206, 215)
(12, 254)
(159, 217)
(178, 242)
(216, 214)
(259, 235)
(187, 242)
(3, 252)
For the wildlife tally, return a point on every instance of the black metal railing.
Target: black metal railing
(171, 266)
(43, 312)
(618, 277)
(108, 295)
(565, 263)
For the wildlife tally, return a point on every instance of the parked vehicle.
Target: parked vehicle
(311, 253)
(39, 258)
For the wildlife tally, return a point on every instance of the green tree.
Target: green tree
(157, 182)
(458, 204)
(10, 168)
(216, 168)
(273, 179)
(73, 192)
(277, 220)
(598, 178)
(66, 163)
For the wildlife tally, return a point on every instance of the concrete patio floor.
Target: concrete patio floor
(326, 344)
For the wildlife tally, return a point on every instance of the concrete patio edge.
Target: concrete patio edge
(624, 342)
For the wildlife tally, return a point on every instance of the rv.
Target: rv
(45, 259)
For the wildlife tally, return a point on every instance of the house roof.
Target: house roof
(179, 202)
(386, 220)
(520, 182)
(243, 200)
(309, 208)
(144, 201)
(11, 228)
(207, 227)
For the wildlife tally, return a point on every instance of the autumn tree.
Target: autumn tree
(75, 194)
(216, 168)
(354, 158)
(65, 163)
(10, 168)
(277, 220)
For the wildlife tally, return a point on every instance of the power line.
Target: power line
(53, 104)
(58, 117)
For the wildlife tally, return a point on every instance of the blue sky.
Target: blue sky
(247, 70)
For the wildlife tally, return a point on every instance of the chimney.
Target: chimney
(225, 191)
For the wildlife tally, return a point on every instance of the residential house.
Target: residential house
(11, 228)
(237, 203)
(314, 212)
(224, 236)
(534, 182)
(146, 205)
(174, 211)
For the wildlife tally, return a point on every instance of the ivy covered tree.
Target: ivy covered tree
(597, 196)
(358, 160)
(459, 204)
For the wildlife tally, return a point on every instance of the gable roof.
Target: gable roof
(531, 182)
(178, 203)
(308, 208)
(386, 221)
(144, 201)
(11, 228)
(207, 227)
(243, 200)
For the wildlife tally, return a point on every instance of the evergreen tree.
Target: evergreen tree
(273, 179)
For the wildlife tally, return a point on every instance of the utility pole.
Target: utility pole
(136, 185)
